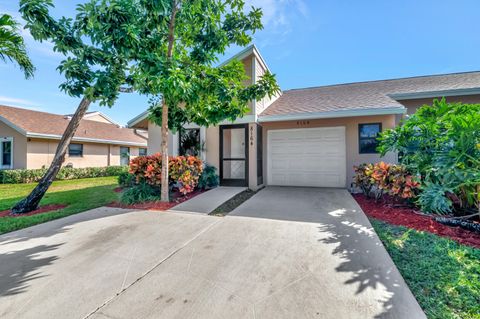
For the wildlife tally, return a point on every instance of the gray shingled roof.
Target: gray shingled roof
(367, 95)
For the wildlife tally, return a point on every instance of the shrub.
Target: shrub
(382, 178)
(441, 144)
(125, 179)
(209, 178)
(140, 193)
(184, 171)
(18, 176)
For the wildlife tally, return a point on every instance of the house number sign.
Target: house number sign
(251, 135)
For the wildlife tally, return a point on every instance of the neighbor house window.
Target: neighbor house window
(367, 137)
(142, 151)
(124, 155)
(6, 153)
(75, 150)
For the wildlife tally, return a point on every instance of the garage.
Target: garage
(314, 157)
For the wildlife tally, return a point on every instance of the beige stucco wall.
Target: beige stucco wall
(19, 145)
(262, 104)
(40, 153)
(413, 105)
(351, 131)
(155, 139)
(212, 146)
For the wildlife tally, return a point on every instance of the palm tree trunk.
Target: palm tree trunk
(32, 201)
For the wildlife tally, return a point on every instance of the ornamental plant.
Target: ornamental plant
(381, 179)
(184, 171)
(441, 144)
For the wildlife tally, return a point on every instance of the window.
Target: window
(75, 150)
(124, 155)
(189, 142)
(367, 137)
(142, 151)
(6, 154)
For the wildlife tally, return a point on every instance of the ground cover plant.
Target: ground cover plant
(75, 195)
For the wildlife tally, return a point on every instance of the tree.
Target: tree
(95, 67)
(176, 64)
(12, 46)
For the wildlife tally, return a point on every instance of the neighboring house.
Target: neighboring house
(312, 136)
(28, 139)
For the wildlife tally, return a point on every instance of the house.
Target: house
(312, 136)
(28, 139)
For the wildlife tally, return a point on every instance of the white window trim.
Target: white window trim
(6, 139)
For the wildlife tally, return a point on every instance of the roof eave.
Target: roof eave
(137, 119)
(433, 94)
(333, 114)
(84, 139)
(13, 126)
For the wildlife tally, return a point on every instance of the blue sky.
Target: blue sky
(305, 43)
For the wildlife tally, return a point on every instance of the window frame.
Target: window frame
(360, 138)
(75, 155)
(142, 148)
(7, 139)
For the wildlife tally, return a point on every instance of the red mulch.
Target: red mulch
(42, 209)
(159, 206)
(407, 217)
(118, 189)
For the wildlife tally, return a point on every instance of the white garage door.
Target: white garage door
(307, 157)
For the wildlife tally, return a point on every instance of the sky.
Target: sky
(304, 42)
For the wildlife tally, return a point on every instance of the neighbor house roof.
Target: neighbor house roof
(368, 98)
(51, 126)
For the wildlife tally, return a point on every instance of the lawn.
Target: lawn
(80, 195)
(443, 275)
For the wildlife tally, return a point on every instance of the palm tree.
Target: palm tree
(12, 46)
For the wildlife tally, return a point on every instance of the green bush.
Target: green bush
(209, 177)
(140, 193)
(20, 176)
(441, 144)
(125, 179)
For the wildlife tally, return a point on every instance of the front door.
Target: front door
(234, 155)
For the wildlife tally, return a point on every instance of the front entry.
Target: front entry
(234, 155)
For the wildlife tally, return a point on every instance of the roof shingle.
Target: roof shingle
(54, 124)
(366, 95)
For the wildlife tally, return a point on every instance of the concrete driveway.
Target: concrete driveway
(285, 253)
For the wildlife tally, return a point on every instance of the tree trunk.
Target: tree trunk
(31, 202)
(164, 197)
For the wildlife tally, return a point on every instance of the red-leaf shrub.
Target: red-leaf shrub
(184, 170)
(383, 178)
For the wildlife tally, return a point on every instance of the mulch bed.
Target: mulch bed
(40, 210)
(404, 216)
(158, 205)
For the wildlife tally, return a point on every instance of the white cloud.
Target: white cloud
(278, 18)
(276, 13)
(20, 102)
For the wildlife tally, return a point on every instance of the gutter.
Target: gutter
(84, 139)
(432, 94)
(332, 114)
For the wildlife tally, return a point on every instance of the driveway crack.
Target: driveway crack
(173, 253)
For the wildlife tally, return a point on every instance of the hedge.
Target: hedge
(19, 176)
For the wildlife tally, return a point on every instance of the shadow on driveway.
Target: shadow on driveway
(342, 225)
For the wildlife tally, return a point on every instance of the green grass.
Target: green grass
(80, 195)
(443, 275)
